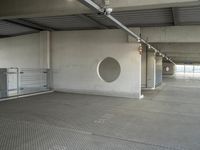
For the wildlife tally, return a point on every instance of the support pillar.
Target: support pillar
(151, 70)
(168, 69)
(45, 49)
(159, 69)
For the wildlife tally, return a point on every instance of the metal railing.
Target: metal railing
(21, 81)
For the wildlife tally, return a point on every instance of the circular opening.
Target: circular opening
(167, 69)
(109, 69)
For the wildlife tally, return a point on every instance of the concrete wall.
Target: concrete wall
(171, 69)
(76, 55)
(27, 51)
(159, 68)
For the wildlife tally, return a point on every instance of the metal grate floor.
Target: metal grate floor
(21, 135)
(166, 119)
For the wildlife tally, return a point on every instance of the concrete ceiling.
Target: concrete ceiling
(22, 17)
(41, 8)
(72, 15)
(133, 18)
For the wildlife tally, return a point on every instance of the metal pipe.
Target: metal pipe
(107, 12)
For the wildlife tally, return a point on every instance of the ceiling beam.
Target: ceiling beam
(19, 24)
(122, 5)
(92, 20)
(3, 36)
(40, 8)
(185, 59)
(29, 24)
(37, 25)
(174, 16)
(181, 52)
(189, 56)
(18, 34)
(172, 34)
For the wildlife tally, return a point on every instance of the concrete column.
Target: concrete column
(144, 68)
(45, 49)
(159, 68)
(168, 68)
(151, 70)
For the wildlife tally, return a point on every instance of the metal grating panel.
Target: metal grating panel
(7, 28)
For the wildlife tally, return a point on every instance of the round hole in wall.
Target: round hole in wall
(167, 69)
(109, 69)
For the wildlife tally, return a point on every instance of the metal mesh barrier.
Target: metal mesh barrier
(33, 80)
(15, 81)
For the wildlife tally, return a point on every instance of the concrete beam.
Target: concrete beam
(181, 52)
(92, 20)
(25, 23)
(37, 8)
(180, 49)
(120, 5)
(174, 16)
(183, 55)
(179, 60)
(173, 34)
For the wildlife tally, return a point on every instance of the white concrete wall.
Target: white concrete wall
(76, 55)
(25, 51)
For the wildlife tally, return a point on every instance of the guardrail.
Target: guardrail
(22, 81)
